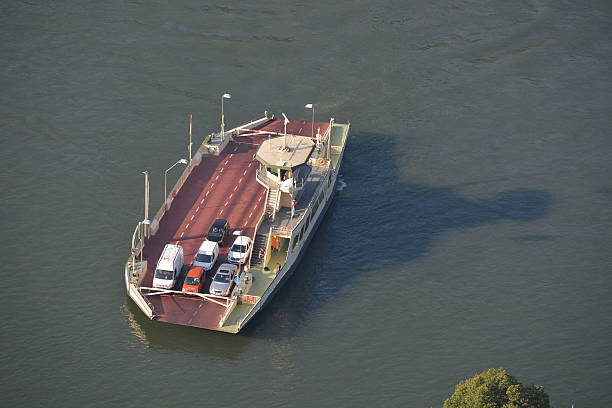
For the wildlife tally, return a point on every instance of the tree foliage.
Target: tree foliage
(495, 388)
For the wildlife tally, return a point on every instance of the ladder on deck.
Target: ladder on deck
(272, 203)
(259, 250)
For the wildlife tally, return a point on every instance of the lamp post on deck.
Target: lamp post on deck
(225, 96)
(181, 161)
(285, 134)
(146, 198)
(311, 106)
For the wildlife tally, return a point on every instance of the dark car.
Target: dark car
(217, 231)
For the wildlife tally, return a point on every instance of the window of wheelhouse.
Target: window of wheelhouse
(280, 174)
(273, 170)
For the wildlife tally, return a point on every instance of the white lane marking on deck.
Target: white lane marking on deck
(251, 214)
(250, 164)
(221, 212)
(212, 185)
(207, 193)
(244, 172)
(182, 233)
(230, 196)
(202, 202)
(239, 181)
(187, 226)
(235, 187)
(192, 216)
(217, 178)
(230, 156)
(225, 205)
(198, 209)
(222, 168)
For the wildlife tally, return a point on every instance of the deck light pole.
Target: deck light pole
(181, 161)
(285, 136)
(190, 144)
(225, 96)
(311, 106)
(146, 197)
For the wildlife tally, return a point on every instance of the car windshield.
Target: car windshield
(203, 258)
(161, 274)
(222, 278)
(216, 230)
(192, 281)
(239, 248)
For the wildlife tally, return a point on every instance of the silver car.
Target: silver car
(222, 282)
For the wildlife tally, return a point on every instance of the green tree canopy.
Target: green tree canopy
(495, 388)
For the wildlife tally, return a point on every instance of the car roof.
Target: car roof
(195, 272)
(242, 240)
(227, 266)
(219, 223)
(208, 246)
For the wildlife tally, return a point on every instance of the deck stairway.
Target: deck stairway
(272, 204)
(259, 248)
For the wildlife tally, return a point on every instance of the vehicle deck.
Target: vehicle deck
(221, 186)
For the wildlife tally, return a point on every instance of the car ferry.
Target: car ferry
(259, 191)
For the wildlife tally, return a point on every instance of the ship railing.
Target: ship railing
(266, 181)
(253, 123)
(281, 230)
(173, 193)
(228, 310)
(261, 177)
(219, 300)
(137, 240)
(134, 293)
(215, 142)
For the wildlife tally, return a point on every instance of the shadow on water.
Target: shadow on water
(387, 220)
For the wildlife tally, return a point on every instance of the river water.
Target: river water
(474, 230)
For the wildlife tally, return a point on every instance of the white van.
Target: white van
(207, 255)
(168, 267)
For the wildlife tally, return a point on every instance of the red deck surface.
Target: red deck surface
(295, 127)
(220, 187)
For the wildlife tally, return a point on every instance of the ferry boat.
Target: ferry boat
(270, 180)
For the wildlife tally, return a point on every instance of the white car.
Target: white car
(168, 267)
(222, 282)
(207, 255)
(240, 250)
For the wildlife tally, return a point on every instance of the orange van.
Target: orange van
(194, 281)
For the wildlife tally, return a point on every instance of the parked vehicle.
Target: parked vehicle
(217, 231)
(207, 255)
(168, 267)
(222, 282)
(194, 281)
(240, 250)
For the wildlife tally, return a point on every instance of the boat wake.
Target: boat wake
(341, 184)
